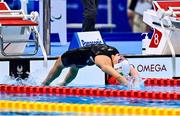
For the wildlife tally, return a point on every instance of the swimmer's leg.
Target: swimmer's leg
(54, 72)
(73, 71)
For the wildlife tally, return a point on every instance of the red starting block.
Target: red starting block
(15, 30)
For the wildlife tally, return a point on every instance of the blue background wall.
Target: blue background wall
(119, 14)
(75, 11)
(122, 33)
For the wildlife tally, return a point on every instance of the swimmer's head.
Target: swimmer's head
(117, 58)
(121, 65)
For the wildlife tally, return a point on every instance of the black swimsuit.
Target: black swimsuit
(85, 55)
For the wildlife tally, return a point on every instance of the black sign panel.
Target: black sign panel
(19, 68)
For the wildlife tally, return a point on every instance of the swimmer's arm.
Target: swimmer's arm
(111, 71)
(105, 64)
(72, 73)
(54, 72)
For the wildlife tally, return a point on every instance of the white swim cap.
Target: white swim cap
(123, 67)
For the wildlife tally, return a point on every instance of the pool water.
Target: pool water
(93, 100)
(141, 87)
(121, 101)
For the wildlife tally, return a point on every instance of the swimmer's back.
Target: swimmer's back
(83, 56)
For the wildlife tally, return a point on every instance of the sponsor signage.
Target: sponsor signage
(81, 39)
(153, 67)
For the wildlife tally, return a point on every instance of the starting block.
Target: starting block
(15, 30)
(165, 19)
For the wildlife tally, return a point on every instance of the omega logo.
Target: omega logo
(151, 68)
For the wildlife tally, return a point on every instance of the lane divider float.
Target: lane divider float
(90, 92)
(161, 82)
(151, 81)
(27, 106)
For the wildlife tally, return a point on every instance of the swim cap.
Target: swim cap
(123, 67)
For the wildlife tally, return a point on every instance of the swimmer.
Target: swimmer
(103, 56)
(127, 70)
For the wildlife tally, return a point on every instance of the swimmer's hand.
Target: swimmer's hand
(135, 83)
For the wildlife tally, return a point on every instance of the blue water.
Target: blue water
(84, 100)
(142, 87)
(93, 100)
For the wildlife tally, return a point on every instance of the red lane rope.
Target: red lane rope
(161, 82)
(90, 92)
(151, 82)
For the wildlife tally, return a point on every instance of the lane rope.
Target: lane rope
(151, 82)
(90, 92)
(27, 106)
(161, 82)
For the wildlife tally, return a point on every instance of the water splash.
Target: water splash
(135, 83)
(10, 80)
(34, 79)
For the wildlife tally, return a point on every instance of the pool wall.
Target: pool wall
(148, 67)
